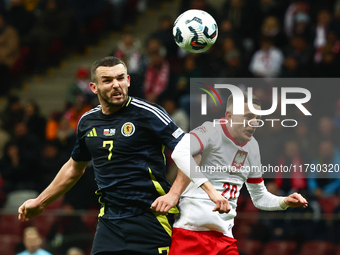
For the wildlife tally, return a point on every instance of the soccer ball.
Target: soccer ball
(195, 31)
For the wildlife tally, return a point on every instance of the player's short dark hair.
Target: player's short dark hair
(256, 100)
(107, 61)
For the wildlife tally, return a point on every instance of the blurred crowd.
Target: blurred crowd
(257, 39)
(38, 34)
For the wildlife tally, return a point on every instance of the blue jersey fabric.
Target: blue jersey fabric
(38, 252)
(126, 149)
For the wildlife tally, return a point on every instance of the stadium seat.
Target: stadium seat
(10, 225)
(328, 204)
(44, 223)
(337, 249)
(19, 66)
(317, 248)
(240, 202)
(249, 247)
(91, 220)
(248, 212)
(8, 243)
(279, 248)
(17, 198)
(56, 204)
(248, 206)
(241, 229)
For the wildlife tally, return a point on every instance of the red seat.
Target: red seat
(248, 206)
(10, 225)
(56, 204)
(241, 229)
(317, 248)
(44, 223)
(328, 204)
(249, 247)
(337, 250)
(19, 66)
(8, 243)
(279, 248)
(91, 220)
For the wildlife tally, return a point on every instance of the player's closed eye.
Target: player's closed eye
(106, 80)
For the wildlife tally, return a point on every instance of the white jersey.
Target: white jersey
(231, 165)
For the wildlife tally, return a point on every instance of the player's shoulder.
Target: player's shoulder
(253, 145)
(144, 105)
(150, 110)
(208, 130)
(89, 114)
(206, 127)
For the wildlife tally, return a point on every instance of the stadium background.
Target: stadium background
(47, 47)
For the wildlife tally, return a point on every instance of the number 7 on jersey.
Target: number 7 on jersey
(110, 143)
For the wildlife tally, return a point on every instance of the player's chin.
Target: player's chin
(247, 137)
(118, 102)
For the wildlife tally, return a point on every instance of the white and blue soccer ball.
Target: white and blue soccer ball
(195, 31)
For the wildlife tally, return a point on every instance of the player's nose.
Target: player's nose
(115, 83)
(254, 123)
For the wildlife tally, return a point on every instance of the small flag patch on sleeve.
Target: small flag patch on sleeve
(177, 133)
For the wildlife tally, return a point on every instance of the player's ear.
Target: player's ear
(228, 115)
(93, 87)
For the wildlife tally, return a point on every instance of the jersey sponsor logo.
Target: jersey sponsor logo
(92, 133)
(109, 132)
(239, 159)
(128, 129)
(177, 133)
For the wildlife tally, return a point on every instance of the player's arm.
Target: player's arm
(67, 176)
(182, 155)
(267, 201)
(164, 203)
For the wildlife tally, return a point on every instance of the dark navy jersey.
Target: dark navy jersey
(126, 149)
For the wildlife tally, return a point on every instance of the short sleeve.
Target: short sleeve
(80, 151)
(165, 127)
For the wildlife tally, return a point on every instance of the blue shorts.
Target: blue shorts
(144, 234)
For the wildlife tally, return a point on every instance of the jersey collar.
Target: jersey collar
(127, 102)
(122, 109)
(226, 132)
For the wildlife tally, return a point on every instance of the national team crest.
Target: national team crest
(128, 129)
(239, 159)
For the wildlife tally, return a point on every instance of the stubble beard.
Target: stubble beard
(108, 101)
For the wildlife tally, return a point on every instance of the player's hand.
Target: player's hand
(164, 203)
(222, 204)
(29, 209)
(296, 200)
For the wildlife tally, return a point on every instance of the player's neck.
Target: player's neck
(110, 110)
(234, 135)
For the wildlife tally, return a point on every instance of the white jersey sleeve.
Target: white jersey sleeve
(263, 199)
(260, 196)
(255, 175)
(182, 155)
(202, 137)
